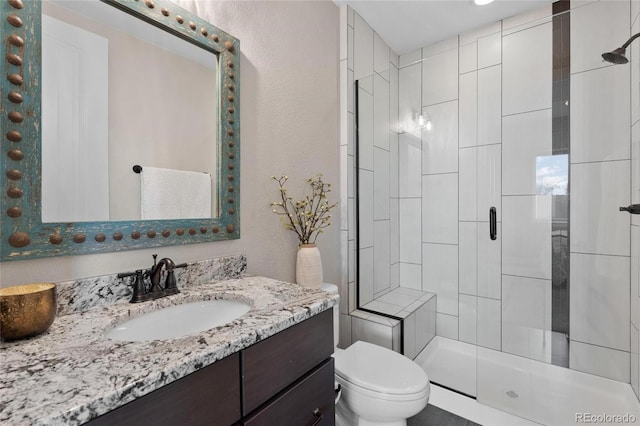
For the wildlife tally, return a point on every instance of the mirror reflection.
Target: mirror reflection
(118, 92)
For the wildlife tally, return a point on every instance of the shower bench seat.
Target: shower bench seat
(402, 319)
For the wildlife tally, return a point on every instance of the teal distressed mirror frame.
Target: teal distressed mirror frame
(22, 233)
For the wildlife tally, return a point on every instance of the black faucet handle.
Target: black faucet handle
(181, 265)
(139, 288)
(126, 274)
(170, 285)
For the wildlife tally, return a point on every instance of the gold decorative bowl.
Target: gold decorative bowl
(26, 310)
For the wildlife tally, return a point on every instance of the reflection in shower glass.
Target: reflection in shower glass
(552, 174)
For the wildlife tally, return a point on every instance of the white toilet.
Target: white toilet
(379, 386)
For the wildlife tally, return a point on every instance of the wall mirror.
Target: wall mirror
(97, 89)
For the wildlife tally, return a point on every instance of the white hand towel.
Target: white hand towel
(174, 194)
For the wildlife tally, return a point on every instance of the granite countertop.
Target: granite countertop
(72, 373)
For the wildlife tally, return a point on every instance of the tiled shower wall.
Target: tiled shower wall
(488, 93)
(367, 58)
(635, 198)
(600, 182)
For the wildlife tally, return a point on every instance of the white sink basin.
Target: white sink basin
(180, 320)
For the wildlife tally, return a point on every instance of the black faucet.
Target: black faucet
(143, 292)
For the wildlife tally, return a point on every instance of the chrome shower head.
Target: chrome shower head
(617, 56)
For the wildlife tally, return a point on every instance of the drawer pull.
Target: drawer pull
(319, 417)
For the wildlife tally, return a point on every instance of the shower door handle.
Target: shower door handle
(632, 209)
(493, 227)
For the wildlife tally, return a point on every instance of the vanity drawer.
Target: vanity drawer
(270, 366)
(308, 402)
(210, 396)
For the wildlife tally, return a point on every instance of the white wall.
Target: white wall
(289, 125)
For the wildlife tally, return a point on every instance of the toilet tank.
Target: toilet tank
(332, 288)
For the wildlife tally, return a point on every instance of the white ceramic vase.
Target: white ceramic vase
(308, 266)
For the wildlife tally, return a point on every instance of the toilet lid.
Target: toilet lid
(380, 369)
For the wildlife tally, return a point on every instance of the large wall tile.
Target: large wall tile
(468, 57)
(440, 275)
(526, 70)
(526, 236)
(395, 275)
(440, 47)
(381, 257)
(447, 326)
(394, 230)
(478, 33)
(489, 181)
(599, 304)
(600, 116)
(635, 169)
(468, 257)
(597, 190)
(600, 361)
(526, 20)
(467, 309)
(635, 361)
(490, 105)
(380, 184)
(410, 226)
(394, 59)
(409, 98)
(411, 276)
(380, 112)
(440, 143)
(526, 138)
(595, 28)
(468, 175)
(489, 261)
(635, 276)
(468, 110)
(526, 316)
(440, 208)
(363, 48)
(488, 333)
(365, 129)
(365, 212)
(410, 168)
(394, 165)
(440, 77)
(352, 269)
(410, 58)
(365, 275)
(634, 52)
(380, 56)
(489, 50)
(394, 100)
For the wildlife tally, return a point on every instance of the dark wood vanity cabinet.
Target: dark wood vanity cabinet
(209, 396)
(296, 366)
(284, 380)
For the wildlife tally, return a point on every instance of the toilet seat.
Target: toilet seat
(380, 372)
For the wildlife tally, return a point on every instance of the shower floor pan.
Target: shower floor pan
(544, 393)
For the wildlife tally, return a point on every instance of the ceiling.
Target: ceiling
(408, 25)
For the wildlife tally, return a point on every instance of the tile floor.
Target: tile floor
(434, 416)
